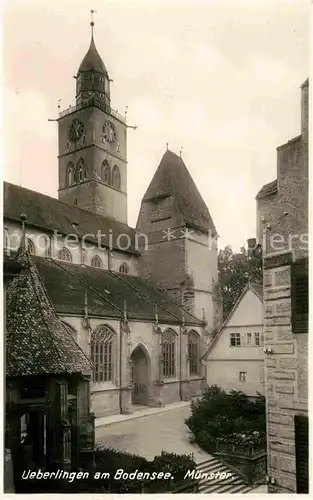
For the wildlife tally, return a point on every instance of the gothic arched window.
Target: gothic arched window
(116, 177)
(106, 172)
(194, 353)
(102, 350)
(30, 246)
(124, 268)
(65, 254)
(80, 171)
(70, 174)
(169, 354)
(96, 261)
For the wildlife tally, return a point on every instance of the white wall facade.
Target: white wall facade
(239, 367)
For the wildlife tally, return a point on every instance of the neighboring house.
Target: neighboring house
(235, 358)
(282, 208)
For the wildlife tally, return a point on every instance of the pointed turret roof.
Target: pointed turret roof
(92, 60)
(172, 178)
(37, 342)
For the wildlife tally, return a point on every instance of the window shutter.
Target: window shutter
(302, 453)
(300, 296)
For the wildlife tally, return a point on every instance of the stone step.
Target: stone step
(239, 488)
(217, 485)
(234, 484)
(207, 461)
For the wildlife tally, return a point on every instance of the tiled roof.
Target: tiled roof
(172, 178)
(268, 189)
(51, 214)
(37, 342)
(92, 60)
(106, 292)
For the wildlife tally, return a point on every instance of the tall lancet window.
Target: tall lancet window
(169, 353)
(103, 347)
(194, 353)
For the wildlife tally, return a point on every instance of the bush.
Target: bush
(219, 414)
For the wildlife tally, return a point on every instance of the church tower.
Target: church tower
(92, 144)
(180, 250)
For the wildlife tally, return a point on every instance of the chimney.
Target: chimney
(305, 108)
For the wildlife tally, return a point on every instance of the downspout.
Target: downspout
(120, 368)
(123, 324)
(181, 329)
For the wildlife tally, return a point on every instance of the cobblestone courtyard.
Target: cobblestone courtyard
(149, 435)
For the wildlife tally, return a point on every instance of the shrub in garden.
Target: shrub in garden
(218, 414)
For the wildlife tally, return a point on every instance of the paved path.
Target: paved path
(150, 434)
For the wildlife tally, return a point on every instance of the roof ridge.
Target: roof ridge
(75, 207)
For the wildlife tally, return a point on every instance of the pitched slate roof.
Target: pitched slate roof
(50, 214)
(267, 189)
(257, 289)
(172, 178)
(92, 60)
(67, 284)
(37, 342)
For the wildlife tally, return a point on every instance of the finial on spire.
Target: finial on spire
(167, 146)
(23, 218)
(181, 151)
(92, 22)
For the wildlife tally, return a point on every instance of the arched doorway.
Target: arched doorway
(140, 376)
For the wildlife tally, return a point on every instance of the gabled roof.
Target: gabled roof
(172, 178)
(92, 60)
(37, 342)
(267, 189)
(257, 289)
(67, 284)
(51, 214)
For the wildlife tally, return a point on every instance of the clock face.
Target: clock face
(109, 132)
(76, 130)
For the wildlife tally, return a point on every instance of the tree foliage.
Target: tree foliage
(235, 270)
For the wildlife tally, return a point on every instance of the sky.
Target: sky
(219, 79)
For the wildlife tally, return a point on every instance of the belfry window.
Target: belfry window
(81, 171)
(65, 254)
(103, 353)
(193, 353)
(106, 172)
(70, 174)
(169, 357)
(116, 177)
